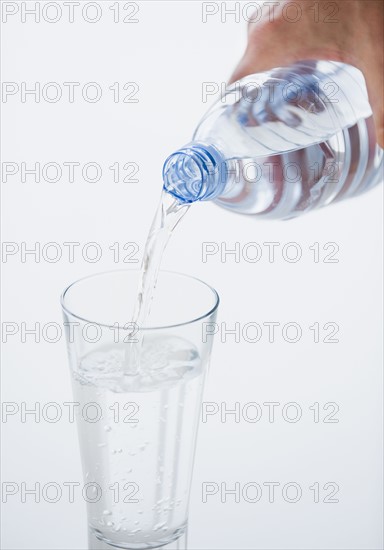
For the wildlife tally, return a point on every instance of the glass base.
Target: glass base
(177, 542)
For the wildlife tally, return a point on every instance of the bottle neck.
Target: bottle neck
(196, 172)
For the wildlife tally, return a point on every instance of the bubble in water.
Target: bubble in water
(107, 428)
(107, 513)
(165, 361)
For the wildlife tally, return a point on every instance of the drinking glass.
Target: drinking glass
(137, 430)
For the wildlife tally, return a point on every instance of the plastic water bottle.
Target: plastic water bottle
(280, 143)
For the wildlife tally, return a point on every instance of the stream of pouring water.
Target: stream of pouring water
(168, 214)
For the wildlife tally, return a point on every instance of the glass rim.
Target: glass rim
(118, 326)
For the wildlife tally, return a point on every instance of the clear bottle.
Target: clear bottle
(281, 143)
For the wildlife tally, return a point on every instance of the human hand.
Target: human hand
(349, 31)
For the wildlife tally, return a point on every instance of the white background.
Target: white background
(169, 53)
